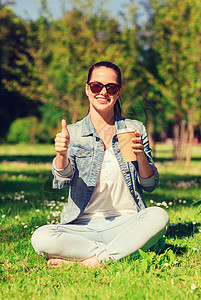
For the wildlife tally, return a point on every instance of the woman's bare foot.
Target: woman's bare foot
(91, 262)
(57, 262)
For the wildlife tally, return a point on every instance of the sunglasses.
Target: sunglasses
(111, 88)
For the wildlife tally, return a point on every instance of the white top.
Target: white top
(111, 196)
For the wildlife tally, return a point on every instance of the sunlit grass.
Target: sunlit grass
(28, 201)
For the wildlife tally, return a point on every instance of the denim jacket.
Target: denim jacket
(85, 154)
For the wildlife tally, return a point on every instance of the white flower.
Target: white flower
(151, 201)
(16, 217)
(3, 216)
(194, 223)
(25, 226)
(37, 210)
(193, 286)
(55, 213)
(172, 281)
(166, 265)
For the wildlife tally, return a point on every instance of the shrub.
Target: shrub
(23, 130)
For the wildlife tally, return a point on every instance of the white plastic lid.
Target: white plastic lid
(125, 130)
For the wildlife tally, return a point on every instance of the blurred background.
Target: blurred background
(47, 48)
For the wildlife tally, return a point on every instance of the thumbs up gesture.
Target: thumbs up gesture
(62, 139)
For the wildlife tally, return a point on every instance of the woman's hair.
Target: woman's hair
(108, 64)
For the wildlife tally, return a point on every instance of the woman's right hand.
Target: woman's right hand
(62, 140)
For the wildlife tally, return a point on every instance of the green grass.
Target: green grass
(27, 201)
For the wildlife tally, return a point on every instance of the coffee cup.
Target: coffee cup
(125, 137)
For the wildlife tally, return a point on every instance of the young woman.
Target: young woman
(106, 217)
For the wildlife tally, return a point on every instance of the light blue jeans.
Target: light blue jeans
(108, 238)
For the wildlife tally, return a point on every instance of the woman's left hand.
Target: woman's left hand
(137, 145)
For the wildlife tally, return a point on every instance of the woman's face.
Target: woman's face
(103, 101)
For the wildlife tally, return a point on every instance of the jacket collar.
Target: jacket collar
(88, 128)
(119, 122)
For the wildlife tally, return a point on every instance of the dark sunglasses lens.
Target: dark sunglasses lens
(96, 87)
(112, 89)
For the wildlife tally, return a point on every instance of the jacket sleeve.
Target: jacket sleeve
(62, 177)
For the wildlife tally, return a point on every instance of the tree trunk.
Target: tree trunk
(176, 141)
(189, 144)
(182, 141)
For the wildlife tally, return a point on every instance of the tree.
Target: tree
(13, 40)
(177, 40)
(54, 66)
(142, 95)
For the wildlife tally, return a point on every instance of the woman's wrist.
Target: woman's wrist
(145, 170)
(61, 161)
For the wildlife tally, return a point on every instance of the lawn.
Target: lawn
(28, 201)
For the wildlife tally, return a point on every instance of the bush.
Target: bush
(23, 130)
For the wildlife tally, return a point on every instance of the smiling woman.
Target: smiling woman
(106, 217)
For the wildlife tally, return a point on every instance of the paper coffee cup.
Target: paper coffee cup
(125, 137)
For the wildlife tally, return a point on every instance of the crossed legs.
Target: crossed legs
(98, 240)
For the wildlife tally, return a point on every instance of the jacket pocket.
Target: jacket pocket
(82, 157)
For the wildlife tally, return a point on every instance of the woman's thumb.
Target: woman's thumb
(64, 125)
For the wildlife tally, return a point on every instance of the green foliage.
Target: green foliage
(47, 61)
(59, 53)
(13, 39)
(199, 205)
(178, 44)
(23, 130)
(50, 122)
(32, 130)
